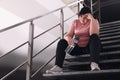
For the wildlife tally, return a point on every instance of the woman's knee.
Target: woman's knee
(95, 40)
(62, 42)
(94, 36)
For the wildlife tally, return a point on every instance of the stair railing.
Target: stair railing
(30, 42)
(94, 5)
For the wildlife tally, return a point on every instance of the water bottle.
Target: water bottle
(71, 47)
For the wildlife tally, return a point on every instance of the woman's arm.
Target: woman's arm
(69, 39)
(69, 35)
(94, 25)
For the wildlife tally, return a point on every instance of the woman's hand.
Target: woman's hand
(89, 16)
(69, 39)
(94, 25)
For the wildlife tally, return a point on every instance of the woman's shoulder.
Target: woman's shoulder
(76, 21)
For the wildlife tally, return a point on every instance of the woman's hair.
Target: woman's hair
(84, 10)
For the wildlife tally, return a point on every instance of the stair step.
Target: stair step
(66, 64)
(111, 47)
(109, 42)
(86, 67)
(108, 25)
(86, 57)
(110, 34)
(115, 23)
(109, 38)
(102, 53)
(77, 75)
(109, 28)
(110, 31)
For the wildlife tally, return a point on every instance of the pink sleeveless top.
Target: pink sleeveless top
(82, 31)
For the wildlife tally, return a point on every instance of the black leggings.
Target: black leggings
(93, 48)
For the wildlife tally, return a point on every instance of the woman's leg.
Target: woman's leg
(60, 52)
(95, 48)
(60, 55)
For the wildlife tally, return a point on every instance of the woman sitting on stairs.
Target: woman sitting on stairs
(86, 28)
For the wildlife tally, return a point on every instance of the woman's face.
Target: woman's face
(84, 18)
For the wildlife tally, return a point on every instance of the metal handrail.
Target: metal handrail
(14, 49)
(95, 3)
(31, 23)
(70, 17)
(14, 70)
(40, 68)
(51, 42)
(43, 66)
(34, 37)
(32, 19)
(45, 47)
(27, 42)
(91, 7)
(47, 30)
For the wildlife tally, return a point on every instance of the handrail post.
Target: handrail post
(30, 51)
(99, 14)
(62, 23)
(78, 7)
(91, 6)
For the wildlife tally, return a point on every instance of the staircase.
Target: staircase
(78, 68)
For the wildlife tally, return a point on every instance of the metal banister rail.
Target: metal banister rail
(31, 41)
(94, 5)
(29, 20)
(36, 53)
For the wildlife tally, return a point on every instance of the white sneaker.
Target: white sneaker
(55, 69)
(94, 66)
